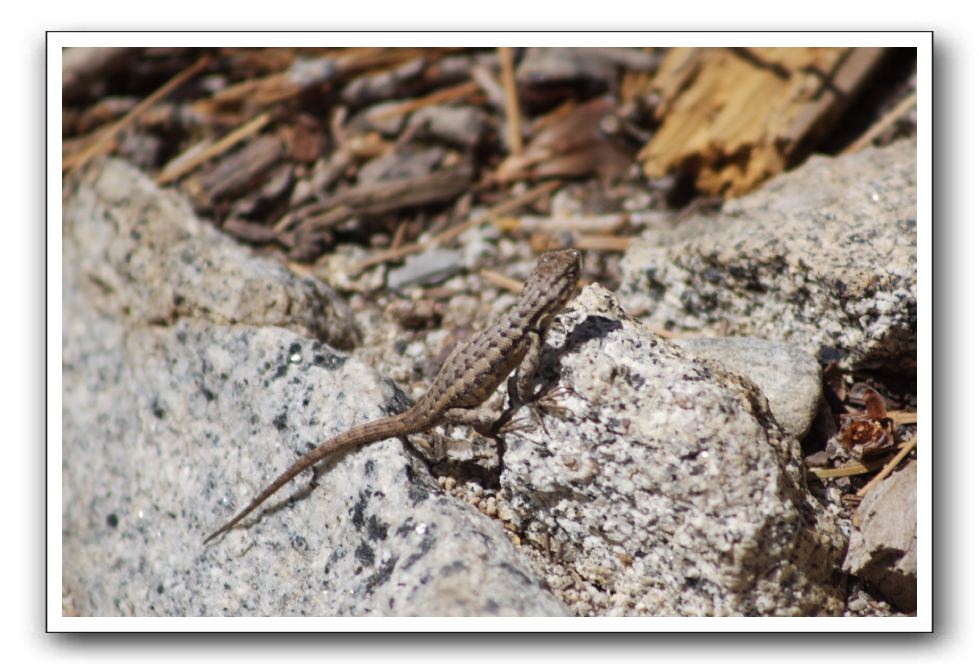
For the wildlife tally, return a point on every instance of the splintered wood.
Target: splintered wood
(732, 118)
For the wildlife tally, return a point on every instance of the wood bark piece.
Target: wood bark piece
(732, 118)
(243, 168)
(389, 195)
(568, 142)
(249, 231)
(883, 545)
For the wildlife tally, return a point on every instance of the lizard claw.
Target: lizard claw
(522, 424)
(548, 402)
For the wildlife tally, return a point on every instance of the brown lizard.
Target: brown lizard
(470, 374)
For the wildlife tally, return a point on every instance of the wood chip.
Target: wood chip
(388, 195)
(242, 169)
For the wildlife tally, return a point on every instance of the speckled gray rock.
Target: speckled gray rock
(664, 481)
(788, 377)
(823, 257)
(173, 417)
(884, 542)
(141, 252)
(429, 267)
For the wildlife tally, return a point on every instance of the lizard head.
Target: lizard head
(554, 280)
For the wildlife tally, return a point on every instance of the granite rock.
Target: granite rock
(789, 377)
(823, 257)
(138, 251)
(174, 415)
(663, 480)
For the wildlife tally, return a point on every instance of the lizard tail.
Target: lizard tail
(359, 435)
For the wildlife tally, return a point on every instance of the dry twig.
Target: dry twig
(881, 125)
(444, 95)
(889, 468)
(602, 242)
(501, 280)
(514, 138)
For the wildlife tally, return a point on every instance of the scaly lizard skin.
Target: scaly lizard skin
(469, 376)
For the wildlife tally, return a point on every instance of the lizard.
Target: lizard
(470, 374)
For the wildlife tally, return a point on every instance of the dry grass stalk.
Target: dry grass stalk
(903, 417)
(848, 470)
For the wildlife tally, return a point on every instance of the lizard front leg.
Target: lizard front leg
(520, 384)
